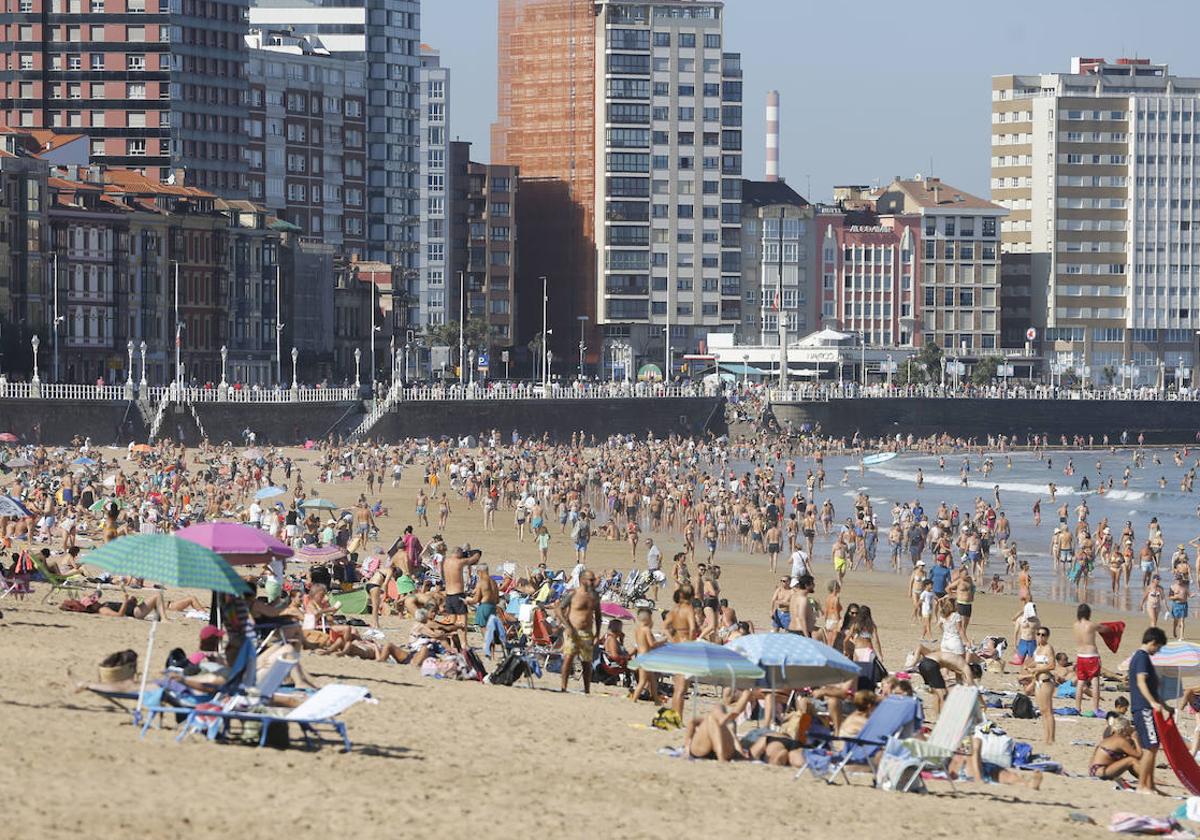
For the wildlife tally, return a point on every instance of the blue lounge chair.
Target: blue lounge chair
(894, 716)
(321, 709)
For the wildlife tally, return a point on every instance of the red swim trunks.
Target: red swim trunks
(1087, 668)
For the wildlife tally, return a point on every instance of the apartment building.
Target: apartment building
(429, 298)
(546, 126)
(625, 120)
(1096, 167)
(307, 127)
(382, 37)
(778, 254)
(24, 233)
(668, 173)
(959, 263)
(870, 271)
(157, 85)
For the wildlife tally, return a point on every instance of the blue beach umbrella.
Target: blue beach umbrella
(792, 661)
(84, 461)
(702, 661)
(270, 493)
(318, 504)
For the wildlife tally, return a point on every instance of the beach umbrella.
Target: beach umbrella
(318, 504)
(319, 554)
(84, 461)
(168, 560)
(702, 661)
(18, 463)
(252, 454)
(792, 661)
(11, 507)
(239, 544)
(7, 437)
(101, 504)
(270, 493)
(613, 610)
(143, 447)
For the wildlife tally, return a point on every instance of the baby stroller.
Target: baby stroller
(635, 593)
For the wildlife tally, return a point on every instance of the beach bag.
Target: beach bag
(1022, 707)
(513, 668)
(474, 669)
(997, 747)
(898, 770)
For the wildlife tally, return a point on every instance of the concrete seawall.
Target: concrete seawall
(557, 418)
(1162, 422)
(58, 421)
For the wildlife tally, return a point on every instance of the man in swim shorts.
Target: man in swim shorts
(580, 617)
(1087, 658)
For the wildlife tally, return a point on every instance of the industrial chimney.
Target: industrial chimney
(772, 135)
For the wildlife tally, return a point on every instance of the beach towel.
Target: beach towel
(1127, 823)
(1110, 634)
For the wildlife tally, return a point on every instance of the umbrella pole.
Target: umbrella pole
(146, 662)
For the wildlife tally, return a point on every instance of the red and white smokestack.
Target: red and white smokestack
(772, 135)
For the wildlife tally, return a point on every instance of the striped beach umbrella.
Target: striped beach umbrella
(1181, 655)
(702, 661)
(167, 560)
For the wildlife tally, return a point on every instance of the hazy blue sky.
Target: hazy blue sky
(869, 89)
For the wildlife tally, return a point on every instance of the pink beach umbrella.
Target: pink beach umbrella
(239, 544)
(612, 610)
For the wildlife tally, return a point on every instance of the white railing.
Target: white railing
(381, 408)
(62, 391)
(593, 391)
(159, 417)
(851, 390)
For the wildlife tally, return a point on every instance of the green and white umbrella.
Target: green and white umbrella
(167, 560)
(172, 561)
(318, 504)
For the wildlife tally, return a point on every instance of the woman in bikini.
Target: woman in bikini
(1152, 600)
(1116, 753)
(1024, 581)
(1041, 669)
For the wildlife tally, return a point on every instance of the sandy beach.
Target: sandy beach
(461, 758)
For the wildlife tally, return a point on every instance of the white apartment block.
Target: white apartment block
(668, 173)
(1097, 167)
(434, 257)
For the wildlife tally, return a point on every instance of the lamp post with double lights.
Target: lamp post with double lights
(223, 386)
(143, 384)
(583, 320)
(35, 384)
(129, 371)
(357, 358)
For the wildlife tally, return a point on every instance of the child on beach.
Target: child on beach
(543, 541)
(927, 599)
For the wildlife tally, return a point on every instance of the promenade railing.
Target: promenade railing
(850, 390)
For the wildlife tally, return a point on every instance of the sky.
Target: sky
(869, 89)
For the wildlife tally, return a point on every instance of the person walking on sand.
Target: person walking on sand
(580, 617)
(1087, 658)
(1143, 702)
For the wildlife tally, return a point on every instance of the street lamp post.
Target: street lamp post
(582, 319)
(296, 380)
(745, 369)
(545, 347)
(392, 358)
(357, 358)
(142, 385)
(278, 320)
(471, 375)
(35, 384)
(57, 318)
(129, 371)
(223, 386)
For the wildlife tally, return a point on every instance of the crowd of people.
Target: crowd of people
(765, 497)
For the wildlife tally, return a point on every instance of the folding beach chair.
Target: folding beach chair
(537, 642)
(321, 709)
(16, 584)
(75, 580)
(895, 715)
(960, 714)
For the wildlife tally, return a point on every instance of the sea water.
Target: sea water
(1020, 486)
